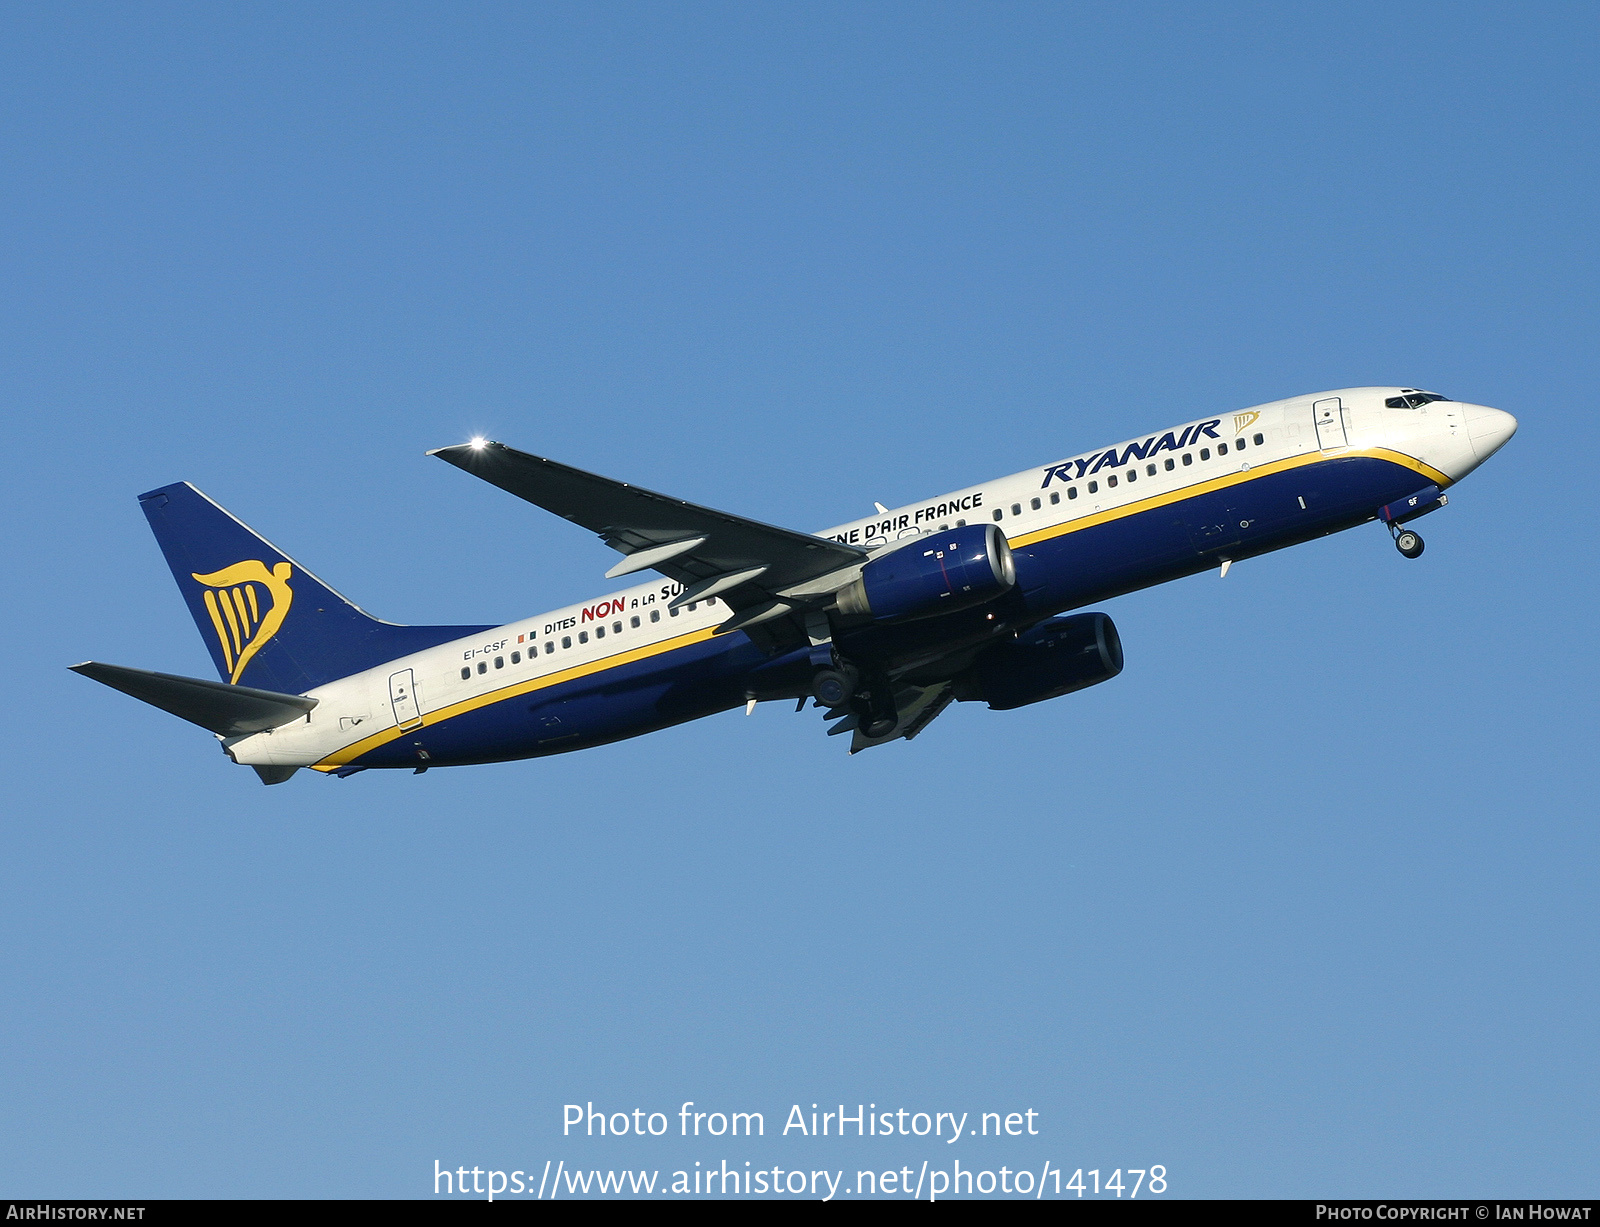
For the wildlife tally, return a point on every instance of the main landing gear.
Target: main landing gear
(865, 700)
(1408, 542)
(833, 687)
(869, 700)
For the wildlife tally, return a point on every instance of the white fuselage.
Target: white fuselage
(1444, 438)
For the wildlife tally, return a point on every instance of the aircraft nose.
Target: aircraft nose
(1489, 429)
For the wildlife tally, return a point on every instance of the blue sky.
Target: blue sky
(1302, 904)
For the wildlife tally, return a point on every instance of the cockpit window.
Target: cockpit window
(1412, 399)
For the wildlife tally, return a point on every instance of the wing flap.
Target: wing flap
(918, 706)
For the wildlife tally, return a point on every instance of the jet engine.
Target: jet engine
(935, 574)
(1052, 659)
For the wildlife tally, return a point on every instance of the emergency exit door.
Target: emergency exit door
(1329, 416)
(403, 698)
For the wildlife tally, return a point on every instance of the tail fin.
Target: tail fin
(269, 622)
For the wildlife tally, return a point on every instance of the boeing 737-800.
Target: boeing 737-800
(883, 621)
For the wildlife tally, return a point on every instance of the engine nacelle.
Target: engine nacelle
(1053, 659)
(935, 574)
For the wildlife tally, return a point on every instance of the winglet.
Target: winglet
(476, 445)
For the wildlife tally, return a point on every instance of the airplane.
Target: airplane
(882, 622)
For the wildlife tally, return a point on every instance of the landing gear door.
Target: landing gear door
(403, 698)
(1329, 417)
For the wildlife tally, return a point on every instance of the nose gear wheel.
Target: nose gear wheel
(1409, 543)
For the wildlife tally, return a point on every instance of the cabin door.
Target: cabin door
(1329, 417)
(403, 697)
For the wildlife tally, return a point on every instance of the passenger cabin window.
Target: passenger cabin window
(673, 611)
(583, 636)
(1133, 474)
(998, 513)
(550, 648)
(1257, 440)
(655, 615)
(1055, 497)
(516, 658)
(1205, 453)
(1150, 469)
(1072, 491)
(1169, 464)
(961, 523)
(499, 662)
(483, 667)
(1238, 445)
(1016, 509)
(616, 627)
(1222, 450)
(566, 641)
(466, 673)
(634, 621)
(1111, 481)
(1034, 504)
(599, 632)
(1188, 458)
(1094, 486)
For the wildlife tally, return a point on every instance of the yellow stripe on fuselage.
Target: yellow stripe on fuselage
(353, 751)
(1222, 483)
(356, 749)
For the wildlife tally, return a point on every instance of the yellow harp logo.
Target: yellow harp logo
(244, 617)
(1242, 420)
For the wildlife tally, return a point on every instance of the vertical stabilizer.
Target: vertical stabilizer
(267, 621)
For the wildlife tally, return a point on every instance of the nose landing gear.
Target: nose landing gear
(1425, 500)
(1409, 543)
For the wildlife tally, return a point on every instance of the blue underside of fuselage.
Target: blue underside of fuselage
(1064, 572)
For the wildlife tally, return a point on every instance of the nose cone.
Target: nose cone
(1489, 429)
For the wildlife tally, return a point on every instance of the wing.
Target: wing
(761, 571)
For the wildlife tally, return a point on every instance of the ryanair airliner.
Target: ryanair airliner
(883, 621)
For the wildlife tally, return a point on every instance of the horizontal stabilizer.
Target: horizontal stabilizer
(231, 711)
